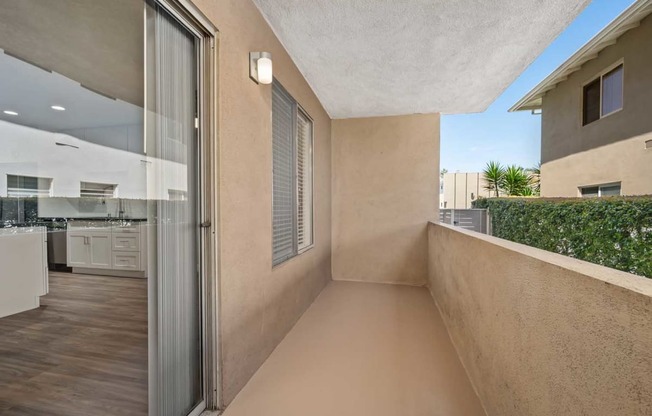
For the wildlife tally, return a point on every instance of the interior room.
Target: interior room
(72, 244)
(90, 204)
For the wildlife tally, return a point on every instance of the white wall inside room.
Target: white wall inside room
(100, 140)
(33, 152)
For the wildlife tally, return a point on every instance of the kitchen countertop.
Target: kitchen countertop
(58, 223)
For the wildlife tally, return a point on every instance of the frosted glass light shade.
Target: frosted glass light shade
(265, 73)
(260, 67)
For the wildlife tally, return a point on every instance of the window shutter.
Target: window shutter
(304, 181)
(283, 223)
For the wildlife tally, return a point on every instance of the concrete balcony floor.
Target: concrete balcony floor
(363, 349)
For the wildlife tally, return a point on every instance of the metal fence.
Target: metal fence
(470, 219)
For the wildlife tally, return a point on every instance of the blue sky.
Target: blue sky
(469, 141)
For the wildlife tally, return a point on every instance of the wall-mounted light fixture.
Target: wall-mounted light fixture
(260, 67)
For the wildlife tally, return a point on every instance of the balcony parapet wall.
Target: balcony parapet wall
(540, 333)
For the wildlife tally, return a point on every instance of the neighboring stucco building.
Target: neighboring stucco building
(460, 189)
(596, 126)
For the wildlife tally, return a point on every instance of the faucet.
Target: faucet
(121, 211)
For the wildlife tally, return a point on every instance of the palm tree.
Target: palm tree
(535, 183)
(516, 180)
(494, 176)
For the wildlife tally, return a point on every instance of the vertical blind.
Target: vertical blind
(612, 91)
(304, 181)
(283, 220)
(292, 177)
(177, 260)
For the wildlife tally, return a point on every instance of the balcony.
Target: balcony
(363, 348)
(383, 312)
(532, 332)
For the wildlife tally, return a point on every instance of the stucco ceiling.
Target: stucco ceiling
(389, 57)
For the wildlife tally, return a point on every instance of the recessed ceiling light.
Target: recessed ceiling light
(58, 108)
(11, 113)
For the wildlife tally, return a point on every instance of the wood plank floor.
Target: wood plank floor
(83, 352)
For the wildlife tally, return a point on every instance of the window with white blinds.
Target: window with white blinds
(292, 205)
(28, 186)
(97, 190)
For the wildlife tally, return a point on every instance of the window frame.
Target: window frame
(600, 76)
(301, 110)
(37, 194)
(600, 186)
(83, 185)
(296, 109)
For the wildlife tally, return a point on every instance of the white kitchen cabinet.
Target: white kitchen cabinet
(78, 252)
(89, 249)
(105, 246)
(23, 269)
(126, 241)
(100, 249)
(126, 260)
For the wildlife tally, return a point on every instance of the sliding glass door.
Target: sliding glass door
(173, 148)
(106, 224)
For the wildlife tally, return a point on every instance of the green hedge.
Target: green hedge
(614, 232)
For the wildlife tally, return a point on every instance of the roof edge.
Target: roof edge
(626, 21)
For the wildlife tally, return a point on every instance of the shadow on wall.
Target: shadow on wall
(251, 332)
(399, 256)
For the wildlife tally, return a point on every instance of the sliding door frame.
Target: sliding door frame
(208, 208)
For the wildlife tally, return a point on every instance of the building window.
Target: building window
(603, 96)
(97, 190)
(28, 186)
(292, 154)
(597, 191)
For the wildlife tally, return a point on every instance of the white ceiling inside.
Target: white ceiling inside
(31, 91)
(388, 57)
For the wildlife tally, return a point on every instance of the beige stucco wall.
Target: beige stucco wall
(462, 188)
(611, 149)
(385, 189)
(625, 161)
(259, 305)
(540, 333)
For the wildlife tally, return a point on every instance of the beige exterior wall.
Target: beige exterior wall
(540, 333)
(260, 304)
(385, 189)
(461, 189)
(611, 149)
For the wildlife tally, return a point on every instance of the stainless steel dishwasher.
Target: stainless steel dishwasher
(57, 245)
